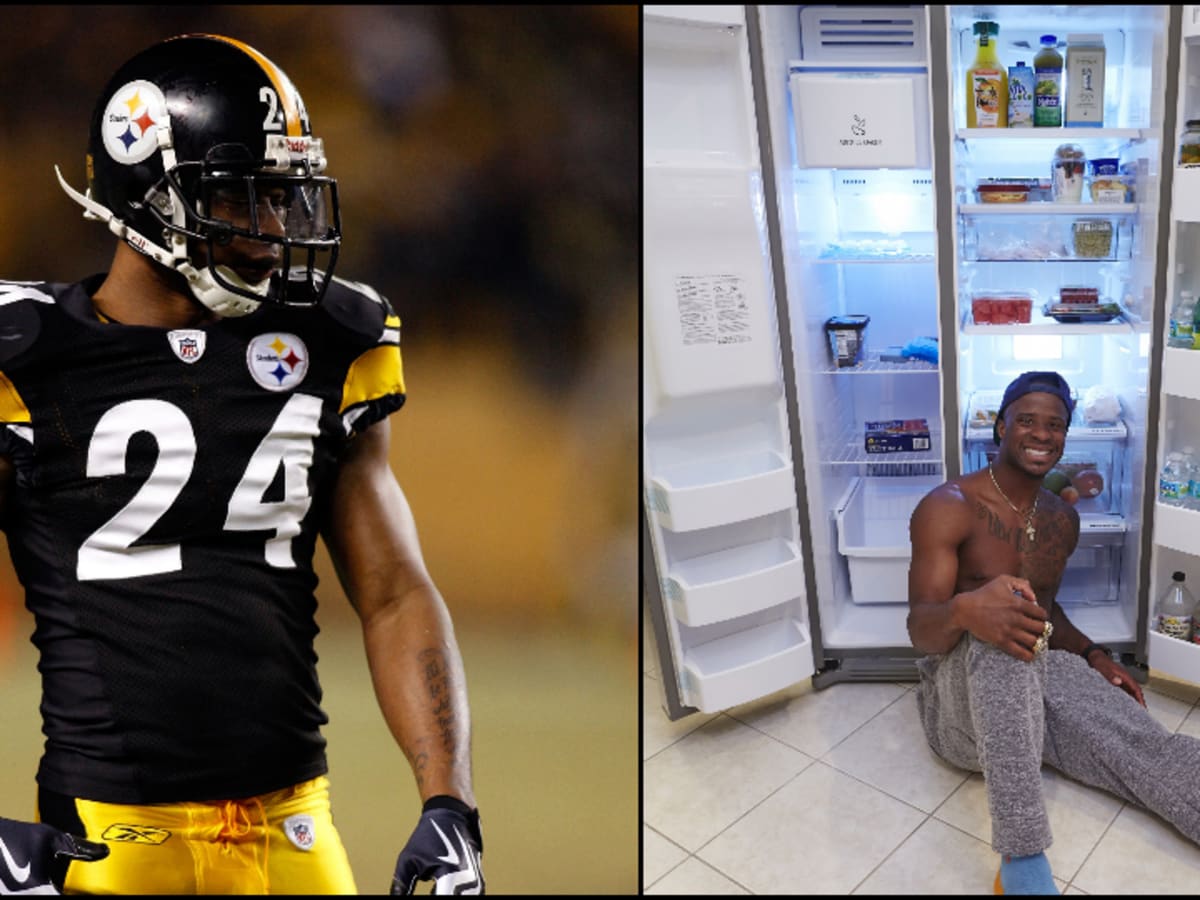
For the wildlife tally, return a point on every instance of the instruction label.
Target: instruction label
(712, 309)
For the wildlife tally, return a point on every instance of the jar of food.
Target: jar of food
(1066, 173)
(1093, 238)
(1189, 146)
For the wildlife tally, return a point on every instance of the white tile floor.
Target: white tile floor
(837, 792)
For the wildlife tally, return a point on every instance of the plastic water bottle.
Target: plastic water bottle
(1182, 317)
(1172, 482)
(1190, 470)
(1176, 609)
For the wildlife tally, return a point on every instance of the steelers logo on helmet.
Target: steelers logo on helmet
(131, 121)
(277, 361)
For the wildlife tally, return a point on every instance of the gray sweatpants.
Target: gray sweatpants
(986, 711)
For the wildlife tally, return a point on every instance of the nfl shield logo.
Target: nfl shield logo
(188, 343)
(299, 830)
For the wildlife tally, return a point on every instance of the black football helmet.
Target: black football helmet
(201, 140)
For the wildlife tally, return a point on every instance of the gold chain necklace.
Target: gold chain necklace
(1029, 530)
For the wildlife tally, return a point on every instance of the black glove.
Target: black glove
(445, 847)
(34, 857)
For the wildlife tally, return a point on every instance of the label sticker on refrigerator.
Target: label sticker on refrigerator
(712, 309)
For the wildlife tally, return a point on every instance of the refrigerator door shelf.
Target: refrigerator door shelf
(717, 492)
(1185, 194)
(1181, 373)
(1179, 659)
(747, 664)
(1177, 528)
(735, 582)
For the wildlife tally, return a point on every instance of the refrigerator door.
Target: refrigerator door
(1082, 220)
(1176, 525)
(852, 110)
(725, 567)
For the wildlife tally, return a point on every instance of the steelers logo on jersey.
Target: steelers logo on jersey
(277, 361)
(131, 122)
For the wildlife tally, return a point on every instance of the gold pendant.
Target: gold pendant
(1029, 532)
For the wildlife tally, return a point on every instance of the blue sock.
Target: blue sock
(1026, 875)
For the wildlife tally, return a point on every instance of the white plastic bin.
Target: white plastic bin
(746, 665)
(735, 582)
(872, 528)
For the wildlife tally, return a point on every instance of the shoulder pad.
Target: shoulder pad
(362, 310)
(20, 320)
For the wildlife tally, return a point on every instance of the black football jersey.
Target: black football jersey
(169, 490)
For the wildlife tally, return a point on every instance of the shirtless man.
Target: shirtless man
(1009, 683)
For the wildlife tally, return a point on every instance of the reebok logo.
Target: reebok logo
(20, 874)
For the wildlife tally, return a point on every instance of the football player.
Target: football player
(175, 434)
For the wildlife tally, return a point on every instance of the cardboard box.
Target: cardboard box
(898, 436)
(1085, 80)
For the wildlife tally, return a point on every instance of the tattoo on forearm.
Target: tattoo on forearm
(437, 683)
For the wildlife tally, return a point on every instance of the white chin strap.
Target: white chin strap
(204, 286)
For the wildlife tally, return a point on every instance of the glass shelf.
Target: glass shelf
(1058, 135)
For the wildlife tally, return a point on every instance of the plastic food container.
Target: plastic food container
(1109, 189)
(847, 338)
(1001, 308)
(1002, 193)
(1093, 238)
(1079, 294)
(1066, 173)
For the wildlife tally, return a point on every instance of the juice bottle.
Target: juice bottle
(1048, 71)
(987, 82)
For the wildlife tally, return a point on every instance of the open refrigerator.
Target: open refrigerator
(812, 198)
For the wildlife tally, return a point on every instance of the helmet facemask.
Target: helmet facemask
(229, 218)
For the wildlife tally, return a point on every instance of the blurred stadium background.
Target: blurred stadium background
(486, 164)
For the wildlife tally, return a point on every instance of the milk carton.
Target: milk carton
(1085, 80)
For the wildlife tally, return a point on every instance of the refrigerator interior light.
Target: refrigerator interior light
(1037, 346)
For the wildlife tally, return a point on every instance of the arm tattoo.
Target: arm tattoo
(437, 683)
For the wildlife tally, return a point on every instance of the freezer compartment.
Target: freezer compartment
(872, 523)
(734, 582)
(748, 664)
(704, 493)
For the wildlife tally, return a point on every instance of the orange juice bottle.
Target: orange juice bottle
(987, 82)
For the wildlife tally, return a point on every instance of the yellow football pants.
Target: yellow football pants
(283, 842)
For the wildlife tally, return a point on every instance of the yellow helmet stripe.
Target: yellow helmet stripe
(283, 85)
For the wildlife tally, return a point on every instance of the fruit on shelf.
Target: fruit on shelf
(1089, 483)
(1055, 481)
